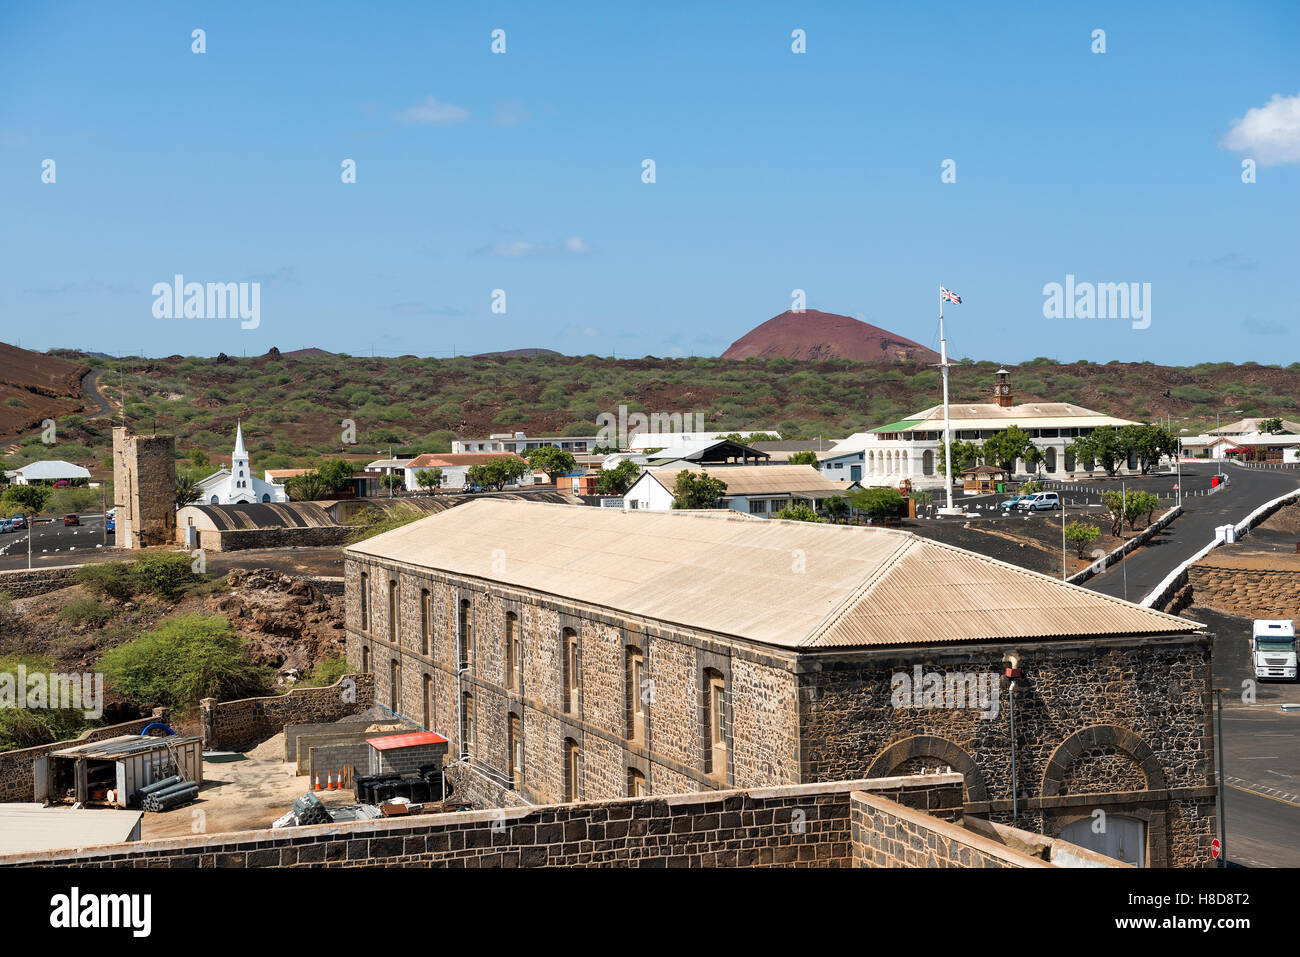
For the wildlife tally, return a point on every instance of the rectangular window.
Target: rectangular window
(569, 675)
(392, 611)
(426, 698)
(715, 755)
(570, 769)
(635, 695)
(514, 669)
(365, 602)
(514, 752)
(467, 722)
(425, 614)
(635, 783)
(395, 689)
(466, 636)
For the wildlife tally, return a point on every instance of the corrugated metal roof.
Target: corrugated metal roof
(412, 740)
(791, 584)
(757, 479)
(31, 827)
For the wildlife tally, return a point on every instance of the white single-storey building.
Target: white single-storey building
(53, 470)
(761, 490)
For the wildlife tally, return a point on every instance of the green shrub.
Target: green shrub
(86, 611)
(29, 727)
(112, 579)
(163, 576)
(183, 660)
(326, 672)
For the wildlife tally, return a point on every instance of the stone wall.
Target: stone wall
(888, 834)
(415, 668)
(1252, 593)
(243, 724)
(238, 539)
(1124, 727)
(799, 826)
(24, 583)
(144, 488)
(17, 782)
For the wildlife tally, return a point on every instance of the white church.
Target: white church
(237, 484)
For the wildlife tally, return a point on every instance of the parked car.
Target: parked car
(71, 519)
(110, 523)
(6, 525)
(19, 520)
(472, 488)
(1012, 503)
(1041, 501)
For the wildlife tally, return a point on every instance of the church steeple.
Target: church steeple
(240, 452)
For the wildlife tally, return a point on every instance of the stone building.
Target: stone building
(582, 654)
(144, 488)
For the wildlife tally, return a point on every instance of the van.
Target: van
(1040, 501)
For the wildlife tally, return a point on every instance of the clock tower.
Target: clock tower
(1002, 390)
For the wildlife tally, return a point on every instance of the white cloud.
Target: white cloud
(432, 113)
(520, 248)
(1270, 133)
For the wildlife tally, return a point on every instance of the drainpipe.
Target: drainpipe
(1223, 837)
(1012, 671)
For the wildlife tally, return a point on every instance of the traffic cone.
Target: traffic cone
(318, 787)
(332, 786)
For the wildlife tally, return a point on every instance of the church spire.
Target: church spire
(240, 453)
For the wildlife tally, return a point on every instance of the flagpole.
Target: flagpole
(947, 423)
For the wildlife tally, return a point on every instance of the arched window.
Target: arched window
(635, 783)
(266, 497)
(213, 500)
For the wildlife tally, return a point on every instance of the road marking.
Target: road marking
(1289, 799)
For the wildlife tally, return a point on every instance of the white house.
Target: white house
(238, 484)
(761, 490)
(909, 449)
(53, 470)
(455, 467)
(521, 443)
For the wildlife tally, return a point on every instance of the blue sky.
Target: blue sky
(775, 171)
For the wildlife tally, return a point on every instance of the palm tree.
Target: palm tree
(187, 488)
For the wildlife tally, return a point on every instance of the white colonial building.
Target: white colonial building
(908, 450)
(237, 484)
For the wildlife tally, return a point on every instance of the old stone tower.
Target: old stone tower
(144, 488)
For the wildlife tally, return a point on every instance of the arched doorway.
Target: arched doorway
(1117, 836)
(927, 463)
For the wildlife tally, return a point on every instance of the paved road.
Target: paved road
(1260, 760)
(1142, 571)
(53, 543)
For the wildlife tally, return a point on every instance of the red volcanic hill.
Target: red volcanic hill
(824, 335)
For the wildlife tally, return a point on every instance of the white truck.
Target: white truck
(1272, 647)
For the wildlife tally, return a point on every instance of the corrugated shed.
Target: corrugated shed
(790, 584)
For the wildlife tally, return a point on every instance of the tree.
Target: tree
(1081, 535)
(1115, 506)
(1034, 459)
(29, 499)
(965, 455)
(336, 474)
(804, 458)
(697, 490)
(394, 483)
(1271, 426)
(1004, 448)
(1102, 446)
(799, 512)
(307, 487)
(1148, 443)
(198, 458)
(1139, 504)
(187, 488)
(551, 460)
(836, 507)
(429, 479)
(497, 473)
(619, 479)
(879, 502)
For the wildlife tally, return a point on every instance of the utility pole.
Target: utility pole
(1223, 826)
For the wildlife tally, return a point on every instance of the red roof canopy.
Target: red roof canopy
(413, 740)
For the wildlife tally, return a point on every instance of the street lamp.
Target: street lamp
(1219, 457)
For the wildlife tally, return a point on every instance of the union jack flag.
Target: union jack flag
(949, 295)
